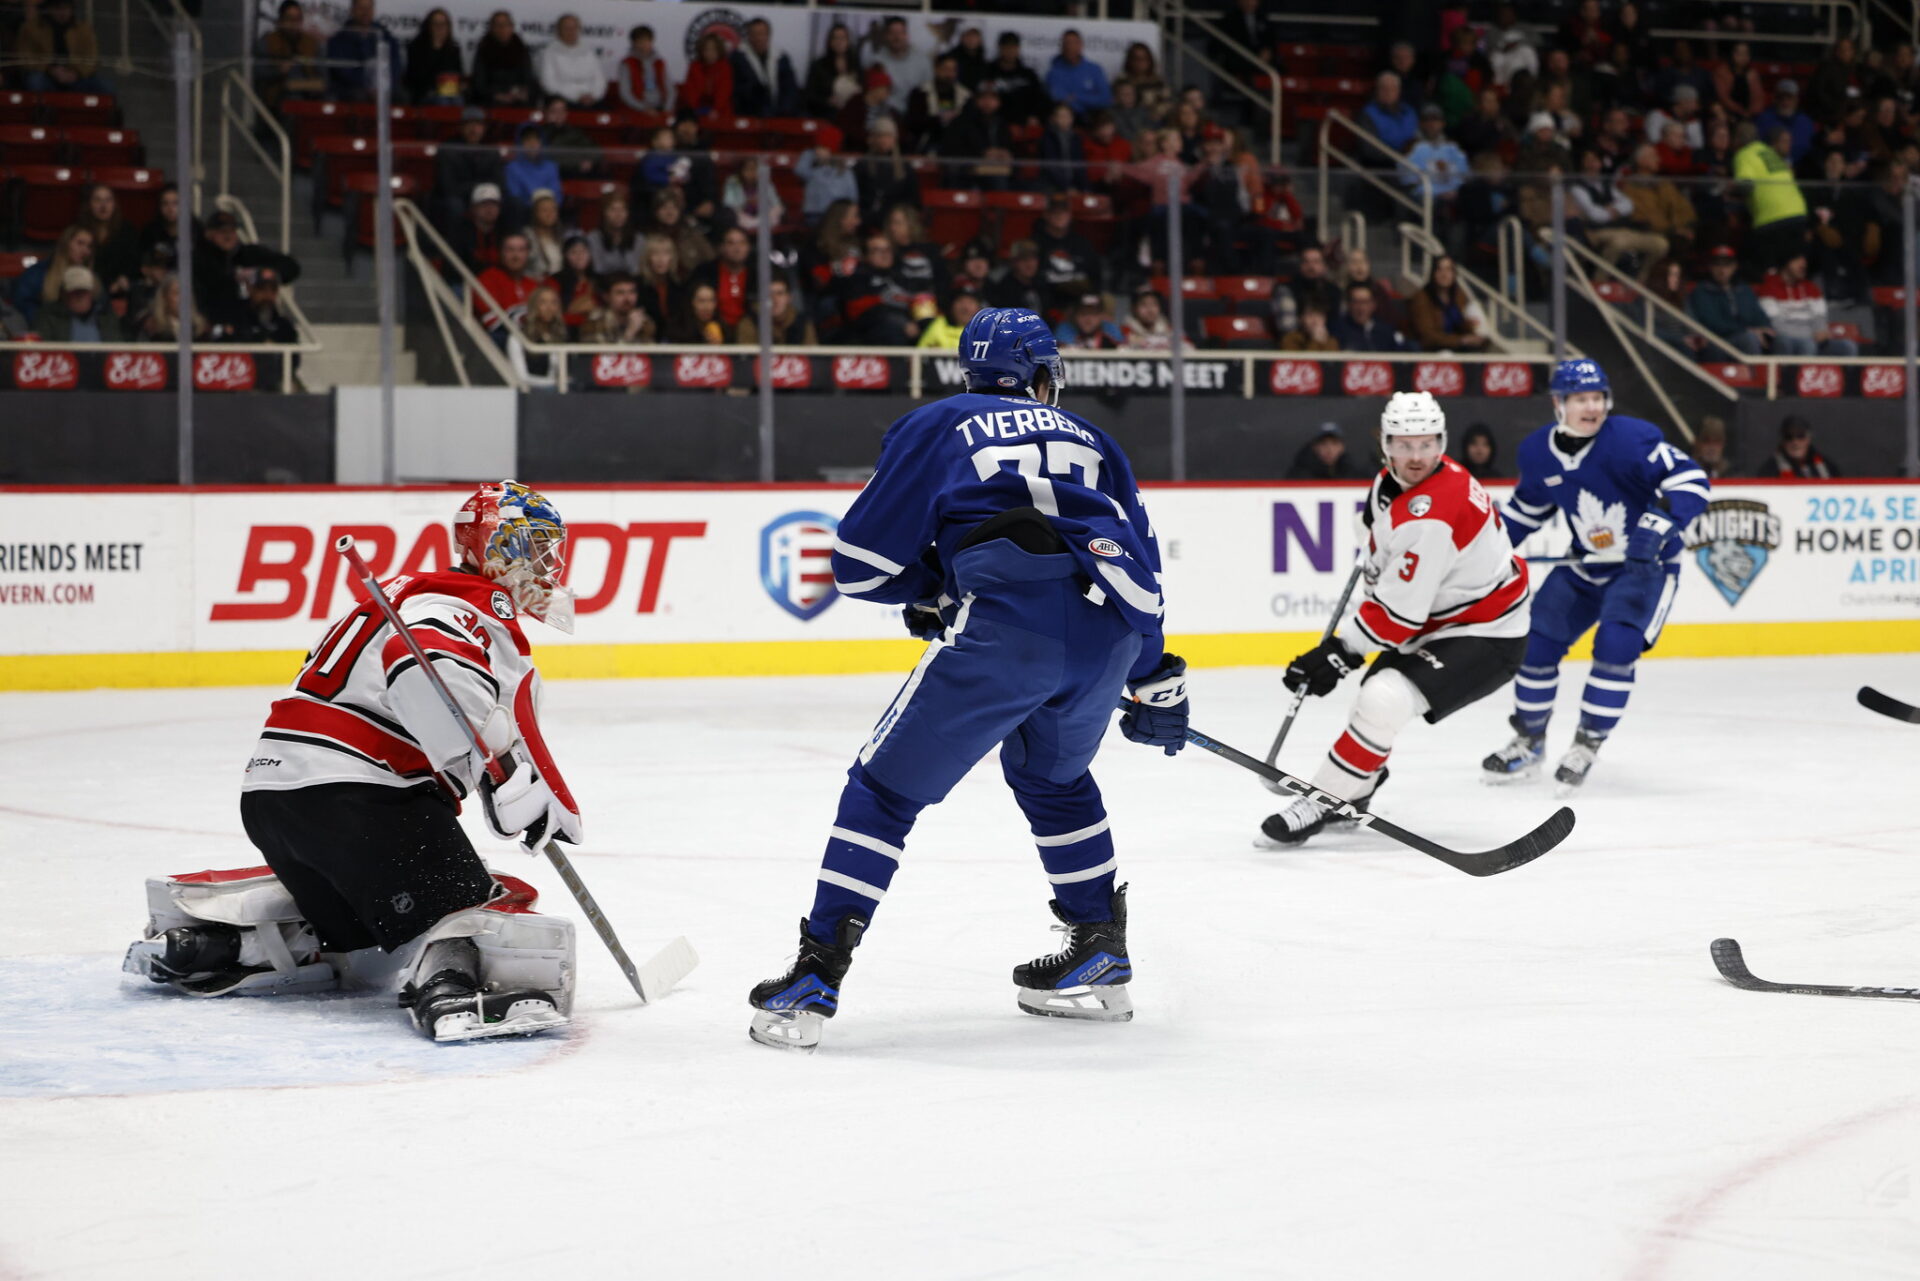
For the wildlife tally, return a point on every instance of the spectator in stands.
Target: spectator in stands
(165, 224)
(1077, 80)
(1021, 95)
(1244, 46)
(1676, 157)
(1796, 457)
(116, 251)
(1634, 60)
(917, 263)
(731, 275)
(1233, 237)
(509, 284)
(1152, 94)
(1358, 270)
(741, 196)
(1487, 128)
(1587, 40)
(1681, 69)
(623, 320)
(1132, 122)
(436, 76)
(1715, 162)
(979, 132)
(1063, 156)
(698, 321)
(1325, 458)
(1796, 311)
(764, 83)
(1443, 163)
(580, 286)
(1312, 334)
(1147, 327)
(1018, 284)
(875, 308)
(1510, 50)
(970, 54)
(569, 68)
(502, 66)
(667, 217)
(1736, 83)
(1553, 99)
(700, 184)
(642, 82)
(79, 313)
(224, 268)
(1107, 152)
(884, 177)
(1403, 60)
(834, 78)
(905, 65)
(708, 88)
(546, 238)
(1836, 80)
(1483, 204)
(1313, 283)
(1088, 328)
(59, 52)
(1660, 208)
(1387, 117)
(835, 249)
(1463, 75)
(567, 144)
(1069, 264)
(543, 323)
(1284, 310)
(1710, 447)
(154, 269)
(862, 114)
(936, 104)
(975, 270)
(287, 66)
(161, 322)
(1836, 206)
(1887, 130)
(1785, 114)
(943, 331)
(662, 278)
(1610, 220)
(1360, 328)
(615, 242)
(529, 171)
(1615, 140)
(790, 327)
(1727, 308)
(476, 238)
(352, 50)
(1776, 207)
(263, 320)
(1479, 453)
(459, 168)
(1443, 315)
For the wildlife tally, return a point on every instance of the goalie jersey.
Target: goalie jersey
(1439, 563)
(361, 711)
(1603, 487)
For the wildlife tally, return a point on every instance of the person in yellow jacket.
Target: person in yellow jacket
(59, 52)
(943, 332)
(1778, 209)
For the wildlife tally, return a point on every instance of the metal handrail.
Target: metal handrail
(1510, 240)
(1653, 300)
(1423, 206)
(249, 233)
(231, 120)
(442, 299)
(1583, 283)
(1412, 237)
(1353, 231)
(169, 348)
(180, 15)
(1272, 98)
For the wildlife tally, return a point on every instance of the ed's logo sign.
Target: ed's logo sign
(796, 552)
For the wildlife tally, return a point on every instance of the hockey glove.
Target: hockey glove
(1645, 542)
(1158, 716)
(1322, 667)
(928, 620)
(1635, 592)
(525, 805)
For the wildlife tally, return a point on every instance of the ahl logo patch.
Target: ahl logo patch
(1106, 547)
(796, 566)
(1731, 541)
(501, 605)
(1420, 506)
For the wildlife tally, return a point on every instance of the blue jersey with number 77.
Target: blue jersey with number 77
(950, 465)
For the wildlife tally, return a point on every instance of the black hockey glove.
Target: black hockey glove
(927, 620)
(1322, 667)
(1158, 716)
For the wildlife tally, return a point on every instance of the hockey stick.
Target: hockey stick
(1733, 968)
(1486, 863)
(1300, 695)
(1874, 701)
(668, 966)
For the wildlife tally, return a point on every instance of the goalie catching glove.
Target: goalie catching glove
(528, 804)
(1322, 667)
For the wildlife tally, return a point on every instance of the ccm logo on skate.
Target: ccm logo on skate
(262, 762)
(1106, 547)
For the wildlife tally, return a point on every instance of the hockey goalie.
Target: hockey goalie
(352, 796)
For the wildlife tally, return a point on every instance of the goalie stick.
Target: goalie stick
(1733, 968)
(1874, 701)
(672, 962)
(1505, 858)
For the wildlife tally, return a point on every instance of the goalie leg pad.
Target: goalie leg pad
(502, 969)
(229, 932)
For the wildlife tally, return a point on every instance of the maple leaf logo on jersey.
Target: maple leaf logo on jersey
(1599, 526)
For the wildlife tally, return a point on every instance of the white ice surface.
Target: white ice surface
(1349, 1061)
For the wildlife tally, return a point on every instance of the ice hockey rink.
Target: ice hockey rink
(1349, 1061)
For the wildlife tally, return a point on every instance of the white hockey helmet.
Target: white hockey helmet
(1412, 413)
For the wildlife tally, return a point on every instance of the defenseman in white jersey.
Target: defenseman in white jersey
(352, 796)
(1445, 604)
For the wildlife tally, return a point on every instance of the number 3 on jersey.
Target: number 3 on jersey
(1407, 569)
(1062, 457)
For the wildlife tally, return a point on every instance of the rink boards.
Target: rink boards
(155, 587)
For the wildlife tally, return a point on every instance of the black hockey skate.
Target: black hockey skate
(193, 952)
(1304, 819)
(452, 1006)
(1087, 977)
(1578, 761)
(1520, 758)
(791, 1011)
(213, 959)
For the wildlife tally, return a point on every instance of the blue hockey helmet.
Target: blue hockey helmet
(1573, 376)
(1004, 348)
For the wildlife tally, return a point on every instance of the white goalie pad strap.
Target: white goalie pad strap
(519, 949)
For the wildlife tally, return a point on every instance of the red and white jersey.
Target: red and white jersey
(1439, 563)
(361, 711)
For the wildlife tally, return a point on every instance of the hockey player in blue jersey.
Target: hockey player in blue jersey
(1013, 534)
(1628, 496)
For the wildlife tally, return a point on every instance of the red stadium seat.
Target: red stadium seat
(1244, 332)
(1740, 377)
(1017, 211)
(45, 198)
(78, 110)
(307, 121)
(953, 217)
(18, 107)
(12, 265)
(361, 188)
(137, 188)
(337, 158)
(1247, 294)
(96, 146)
(31, 145)
(1846, 329)
(581, 198)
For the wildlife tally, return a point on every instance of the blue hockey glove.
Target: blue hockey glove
(1158, 716)
(1645, 542)
(1322, 667)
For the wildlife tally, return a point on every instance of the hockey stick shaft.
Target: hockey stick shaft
(495, 770)
(1300, 695)
(1727, 958)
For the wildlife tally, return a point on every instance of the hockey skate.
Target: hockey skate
(1520, 758)
(1578, 761)
(791, 1011)
(450, 1004)
(1304, 819)
(211, 959)
(1087, 977)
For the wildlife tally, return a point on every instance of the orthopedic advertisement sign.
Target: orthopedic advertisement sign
(230, 586)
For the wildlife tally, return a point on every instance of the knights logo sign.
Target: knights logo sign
(796, 552)
(1731, 541)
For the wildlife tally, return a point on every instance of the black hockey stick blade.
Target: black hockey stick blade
(1874, 701)
(1733, 968)
(1492, 862)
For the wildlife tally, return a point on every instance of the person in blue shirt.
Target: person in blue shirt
(1785, 114)
(352, 51)
(1628, 496)
(529, 171)
(1012, 533)
(1388, 117)
(1441, 160)
(1075, 80)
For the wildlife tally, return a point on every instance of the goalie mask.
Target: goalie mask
(513, 536)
